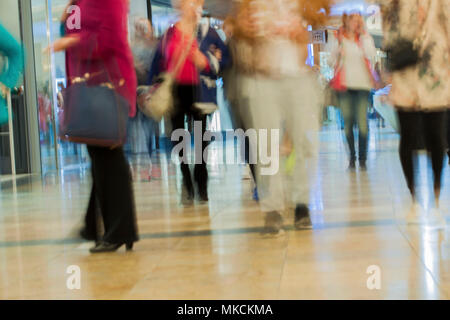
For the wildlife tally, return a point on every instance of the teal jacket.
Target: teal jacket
(12, 51)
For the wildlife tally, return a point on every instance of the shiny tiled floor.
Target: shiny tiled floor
(215, 251)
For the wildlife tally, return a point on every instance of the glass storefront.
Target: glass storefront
(37, 148)
(57, 155)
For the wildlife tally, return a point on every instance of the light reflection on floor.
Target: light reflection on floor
(214, 251)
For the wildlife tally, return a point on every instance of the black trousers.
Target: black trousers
(185, 97)
(238, 122)
(419, 130)
(111, 197)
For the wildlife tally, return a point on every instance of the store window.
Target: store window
(58, 155)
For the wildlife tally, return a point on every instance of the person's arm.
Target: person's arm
(200, 60)
(195, 55)
(12, 50)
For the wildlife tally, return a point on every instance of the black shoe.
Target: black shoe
(104, 246)
(187, 197)
(362, 165)
(352, 164)
(302, 218)
(273, 226)
(203, 196)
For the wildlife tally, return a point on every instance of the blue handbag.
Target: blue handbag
(93, 115)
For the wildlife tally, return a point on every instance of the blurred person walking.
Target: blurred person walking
(353, 56)
(418, 45)
(282, 93)
(101, 48)
(235, 98)
(12, 55)
(143, 48)
(171, 49)
(212, 46)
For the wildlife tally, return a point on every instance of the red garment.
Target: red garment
(104, 46)
(175, 48)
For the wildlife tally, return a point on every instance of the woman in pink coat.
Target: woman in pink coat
(101, 44)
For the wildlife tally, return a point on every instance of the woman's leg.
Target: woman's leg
(90, 230)
(349, 115)
(435, 126)
(114, 192)
(187, 185)
(264, 115)
(448, 135)
(120, 213)
(410, 124)
(183, 105)
(361, 100)
(303, 123)
(201, 171)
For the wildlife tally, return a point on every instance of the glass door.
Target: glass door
(56, 155)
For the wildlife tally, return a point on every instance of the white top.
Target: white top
(283, 56)
(356, 73)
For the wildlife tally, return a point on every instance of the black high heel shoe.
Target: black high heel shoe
(104, 246)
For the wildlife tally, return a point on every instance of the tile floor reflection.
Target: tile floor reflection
(214, 251)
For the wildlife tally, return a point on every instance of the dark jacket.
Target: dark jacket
(208, 79)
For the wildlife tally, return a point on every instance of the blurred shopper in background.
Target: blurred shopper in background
(282, 94)
(235, 97)
(12, 55)
(101, 49)
(143, 47)
(178, 40)
(353, 56)
(420, 85)
(212, 46)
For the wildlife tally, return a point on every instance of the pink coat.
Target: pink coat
(104, 46)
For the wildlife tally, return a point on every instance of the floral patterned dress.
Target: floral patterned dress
(426, 86)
